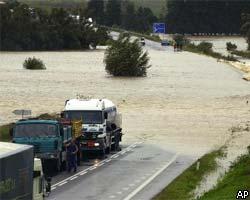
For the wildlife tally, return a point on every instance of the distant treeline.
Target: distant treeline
(25, 28)
(181, 16)
(121, 14)
(205, 16)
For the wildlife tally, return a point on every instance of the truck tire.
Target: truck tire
(102, 153)
(108, 149)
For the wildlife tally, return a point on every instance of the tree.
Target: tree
(113, 13)
(96, 10)
(217, 16)
(144, 18)
(245, 29)
(25, 28)
(125, 58)
(129, 17)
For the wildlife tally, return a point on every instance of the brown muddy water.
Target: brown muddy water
(187, 103)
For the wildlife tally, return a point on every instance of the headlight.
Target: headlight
(97, 144)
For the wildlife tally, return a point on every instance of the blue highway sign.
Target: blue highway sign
(159, 28)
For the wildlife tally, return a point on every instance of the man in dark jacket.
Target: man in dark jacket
(71, 150)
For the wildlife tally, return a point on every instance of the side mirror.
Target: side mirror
(105, 115)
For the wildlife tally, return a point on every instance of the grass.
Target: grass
(181, 188)
(238, 178)
(5, 129)
(5, 132)
(195, 49)
(244, 54)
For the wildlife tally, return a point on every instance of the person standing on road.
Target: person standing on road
(71, 150)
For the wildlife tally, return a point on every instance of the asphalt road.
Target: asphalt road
(139, 171)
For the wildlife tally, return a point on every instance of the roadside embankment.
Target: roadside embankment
(183, 185)
(236, 179)
(245, 68)
(219, 174)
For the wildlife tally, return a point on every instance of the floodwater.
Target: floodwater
(187, 102)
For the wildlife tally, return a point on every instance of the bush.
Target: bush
(244, 54)
(231, 46)
(126, 58)
(205, 47)
(33, 63)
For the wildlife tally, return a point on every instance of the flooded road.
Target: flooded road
(186, 104)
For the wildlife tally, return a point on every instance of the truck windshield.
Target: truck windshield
(88, 117)
(35, 130)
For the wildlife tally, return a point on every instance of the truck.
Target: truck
(101, 128)
(48, 137)
(21, 176)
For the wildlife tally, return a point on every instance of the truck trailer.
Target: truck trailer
(16, 171)
(21, 176)
(101, 128)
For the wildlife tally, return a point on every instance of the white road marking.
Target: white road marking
(86, 170)
(132, 184)
(101, 164)
(62, 183)
(53, 188)
(73, 178)
(92, 168)
(116, 156)
(132, 194)
(119, 193)
(125, 188)
(83, 173)
(112, 197)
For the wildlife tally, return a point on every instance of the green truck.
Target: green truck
(48, 137)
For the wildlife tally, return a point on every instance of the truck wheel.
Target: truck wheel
(63, 166)
(102, 153)
(113, 147)
(108, 150)
(58, 165)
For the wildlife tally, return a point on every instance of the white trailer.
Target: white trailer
(101, 123)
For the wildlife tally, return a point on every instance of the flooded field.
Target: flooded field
(187, 103)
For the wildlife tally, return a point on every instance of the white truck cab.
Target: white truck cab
(99, 118)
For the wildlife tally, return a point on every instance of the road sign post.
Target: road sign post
(159, 28)
(22, 112)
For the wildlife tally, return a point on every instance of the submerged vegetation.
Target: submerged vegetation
(33, 63)
(206, 49)
(126, 58)
(244, 54)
